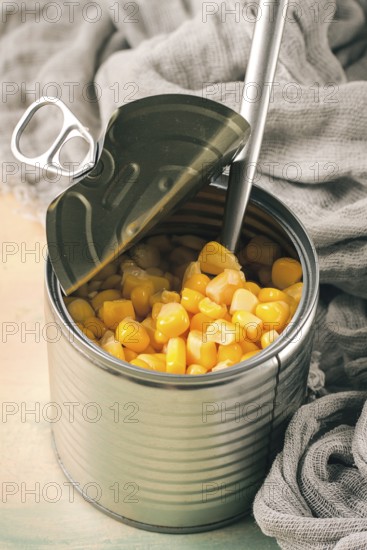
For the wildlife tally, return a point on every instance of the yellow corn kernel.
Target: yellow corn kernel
(155, 363)
(140, 297)
(68, 300)
(150, 326)
(82, 291)
(264, 274)
(80, 310)
(160, 338)
(165, 297)
(190, 241)
(222, 365)
(196, 369)
(215, 258)
(88, 333)
(145, 255)
(251, 324)
(223, 286)
(200, 352)
(162, 242)
(295, 291)
(108, 336)
(200, 321)
(193, 268)
(176, 356)
(113, 281)
(93, 286)
(129, 354)
(104, 296)
(244, 300)
(249, 354)
(132, 335)
(273, 314)
(139, 363)
(115, 349)
(262, 250)
(131, 280)
(159, 283)
(197, 281)
(96, 326)
(173, 320)
(156, 309)
(106, 271)
(233, 353)
(286, 272)
(182, 255)
(180, 270)
(222, 332)
(269, 294)
(247, 346)
(190, 299)
(268, 338)
(212, 309)
(252, 287)
(112, 312)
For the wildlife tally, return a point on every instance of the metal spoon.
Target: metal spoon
(260, 75)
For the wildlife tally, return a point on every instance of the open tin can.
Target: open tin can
(175, 453)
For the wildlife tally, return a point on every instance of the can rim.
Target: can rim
(306, 251)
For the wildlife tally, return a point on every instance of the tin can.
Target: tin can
(174, 453)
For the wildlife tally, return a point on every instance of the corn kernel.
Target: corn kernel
(295, 291)
(198, 282)
(286, 272)
(139, 363)
(222, 365)
(93, 286)
(154, 271)
(273, 314)
(108, 336)
(233, 353)
(212, 309)
(269, 294)
(196, 369)
(268, 338)
(80, 310)
(215, 258)
(156, 310)
(243, 299)
(251, 324)
(190, 299)
(140, 297)
(129, 354)
(264, 274)
(145, 255)
(88, 333)
(252, 287)
(104, 296)
(150, 326)
(222, 288)
(200, 321)
(199, 352)
(160, 338)
(190, 241)
(247, 346)
(155, 363)
(262, 250)
(182, 255)
(162, 242)
(115, 349)
(176, 356)
(132, 335)
(173, 320)
(112, 312)
(113, 281)
(82, 291)
(96, 326)
(222, 332)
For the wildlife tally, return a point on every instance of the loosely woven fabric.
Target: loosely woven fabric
(315, 497)
(98, 56)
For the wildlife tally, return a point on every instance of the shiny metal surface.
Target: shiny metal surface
(70, 129)
(257, 92)
(174, 453)
(157, 152)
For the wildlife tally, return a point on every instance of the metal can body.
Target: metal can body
(171, 453)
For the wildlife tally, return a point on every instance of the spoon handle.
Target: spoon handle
(254, 108)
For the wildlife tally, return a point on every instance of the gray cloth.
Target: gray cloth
(314, 151)
(315, 497)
